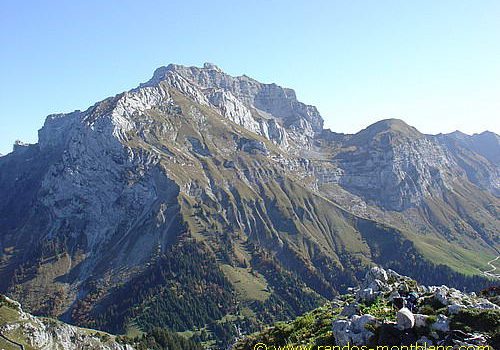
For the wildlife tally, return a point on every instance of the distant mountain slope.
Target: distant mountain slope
(486, 144)
(199, 198)
(478, 155)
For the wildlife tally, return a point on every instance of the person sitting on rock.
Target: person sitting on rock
(412, 300)
(399, 303)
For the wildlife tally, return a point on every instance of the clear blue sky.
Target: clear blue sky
(435, 64)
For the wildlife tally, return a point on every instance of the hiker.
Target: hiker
(399, 303)
(412, 301)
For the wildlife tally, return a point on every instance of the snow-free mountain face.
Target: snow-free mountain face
(202, 197)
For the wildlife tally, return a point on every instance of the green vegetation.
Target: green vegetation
(183, 290)
(381, 308)
(313, 328)
(160, 339)
(157, 339)
(477, 320)
(250, 285)
(393, 250)
(487, 321)
(5, 345)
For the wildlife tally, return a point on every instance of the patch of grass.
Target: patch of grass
(431, 319)
(431, 305)
(132, 330)
(5, 345)
(380, 309)
(469, 320)
(8, 315)
(249, 285)
(313, 328)
(426, 310)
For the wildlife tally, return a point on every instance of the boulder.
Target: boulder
(453, 309)
(441, 294)
(424, 341)
(374, 284)
(442, 324)
(423, 289)
(350, 310)
(393, 275)
(359, 322)
(405, 319)
(393, 295)
(353, 331)
(420, 320)
(341, 332)
(482, 303)
(377, 273)
(366, 295)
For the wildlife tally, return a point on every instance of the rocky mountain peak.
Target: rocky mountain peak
(387, 131)
(266, 100)
(395, 125)
(399, 165)
(211, 66)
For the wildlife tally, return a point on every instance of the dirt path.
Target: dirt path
(490, 273)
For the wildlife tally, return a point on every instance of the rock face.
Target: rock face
(442, 324)
(198, 177)
(375, 283)
(44, 334)
(395, 165)
(478, 156)
(249, 103)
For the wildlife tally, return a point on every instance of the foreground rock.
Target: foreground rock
(355, 330)
(405, 319)
(403, 312)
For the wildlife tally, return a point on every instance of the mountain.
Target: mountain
(199, 201)
(478, 155)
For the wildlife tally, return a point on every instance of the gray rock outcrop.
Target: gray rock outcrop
(46, 334)
(353, 331)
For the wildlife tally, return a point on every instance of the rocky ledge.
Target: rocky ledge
(24, 331)
(390, 309)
